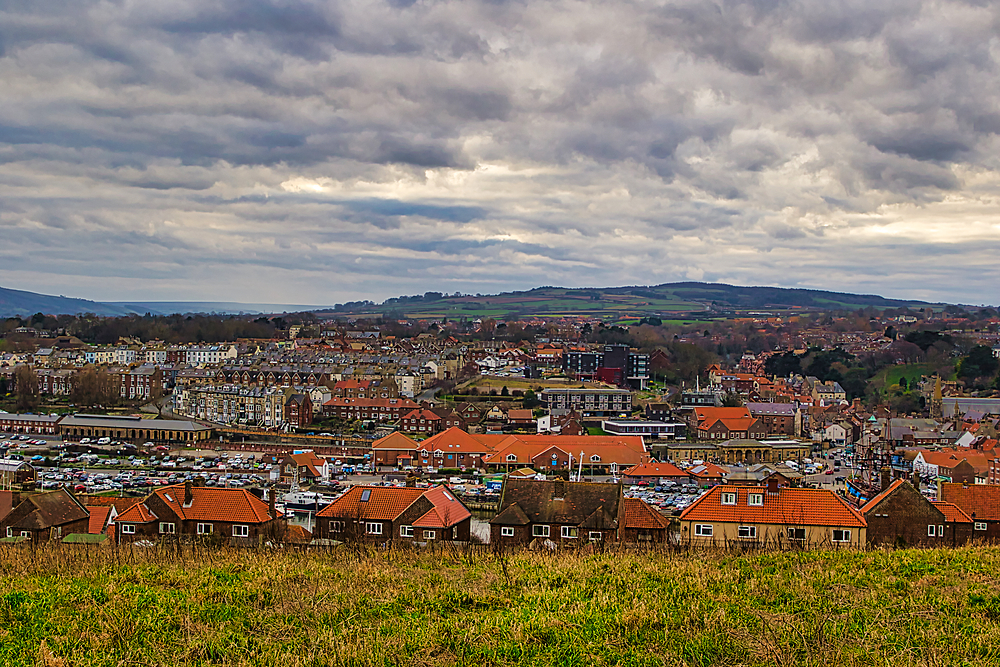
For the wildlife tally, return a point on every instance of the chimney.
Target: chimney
(271, 512)
(188, 495)
(15, 499)
(886, 477)
(772, 485)
(915, 479)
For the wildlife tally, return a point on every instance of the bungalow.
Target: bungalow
(654, 472)
(981, 502)
(395, 514)
(40, 517)
(186, 511)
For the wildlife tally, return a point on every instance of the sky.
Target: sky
(320, 152)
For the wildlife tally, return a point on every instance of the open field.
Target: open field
(82, 608)
(890, 375)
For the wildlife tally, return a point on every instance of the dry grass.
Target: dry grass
(78, 607)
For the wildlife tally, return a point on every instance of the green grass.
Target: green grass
(87, 607)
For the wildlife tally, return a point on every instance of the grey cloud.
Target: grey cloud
(504, 144)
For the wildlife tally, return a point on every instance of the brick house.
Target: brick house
(185, 511)
(298, 410)
(453, 448)
(775, 418)
(981, 502)
(40, 517)
(901, 516)
(570, 514)
(386, 515)
(420, 421)
(381, 409)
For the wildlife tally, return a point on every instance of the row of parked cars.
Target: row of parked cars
(670, 497)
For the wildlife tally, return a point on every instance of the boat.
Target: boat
(306, 501)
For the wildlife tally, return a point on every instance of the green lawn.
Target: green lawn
(90, 607)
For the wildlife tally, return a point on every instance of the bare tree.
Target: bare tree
(26, 388)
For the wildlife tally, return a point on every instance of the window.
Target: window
(430, 534)
(241, 531)
(940, 531)
(512, 457)
(841, 536)
(980, 525)
(454, 533)
(506, 531)
(365, 495)
(728, 498)
(373, 528)
(755, 500)
(931, 531)
(569, 532)
(703, 530)
(26, 533)
(595, 458)
(406, 531)
(797, 534)
(747, 532)
(166, 528)
(595, 536)
(128, 529)
(336, 526)
(10, 532)
(540, 531)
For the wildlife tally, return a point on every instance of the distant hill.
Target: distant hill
(20, 303)
(670, 300)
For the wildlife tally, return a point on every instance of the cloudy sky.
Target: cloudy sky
(317, 152)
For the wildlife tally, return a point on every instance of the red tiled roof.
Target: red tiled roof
(867, 507)
(447, 511)
(395, 441)
(394, 403)
(731, 423)
(215, 504)
(138, 513)
(455, 439)
(98, 519)
(640, 515)
(384, 503)
(654, 469)
(952, 513)
(811, 507)
(979, 501)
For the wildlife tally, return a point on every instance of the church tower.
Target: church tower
(937, 401)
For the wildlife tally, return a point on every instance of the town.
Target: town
(822, 430)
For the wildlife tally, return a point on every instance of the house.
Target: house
(14, 471)
(956, 466)
(40, 517)
(469, 413)
(184, 511)
(901, 516)
(303, 467)
(981, 502)
(708, 474)
(521, 418)
(298, 411)
(771, 516)
(711, 423)
(569, 514)
(420, 421)
(395, 515)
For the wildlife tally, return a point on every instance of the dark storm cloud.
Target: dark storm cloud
(389, 146)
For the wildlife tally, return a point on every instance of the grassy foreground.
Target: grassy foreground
(75, 608)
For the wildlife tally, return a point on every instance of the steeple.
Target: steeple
(937, 400)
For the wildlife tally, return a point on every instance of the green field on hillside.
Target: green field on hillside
(97, 607)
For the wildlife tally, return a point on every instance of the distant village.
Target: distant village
(781, 431)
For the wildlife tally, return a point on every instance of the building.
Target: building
(187, 512)
(595, 454)
(40, 424)
(981, 502)
(233, 404)
(771, 516)
(725, 423)
(395, 514)
(379, 409)
(589, 402)
(614, 364)
(132, 429)
(900, 516)
(777, 418)
(41, 517)
(571, 514)
(14, 471)
(420, 422)
(655, 473)
(647, 429)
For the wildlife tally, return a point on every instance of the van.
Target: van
(104, 441)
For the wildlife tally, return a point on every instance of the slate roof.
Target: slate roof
(55, 508)
(795, 506)
(584, 504)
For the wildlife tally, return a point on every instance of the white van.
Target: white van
(104, 441)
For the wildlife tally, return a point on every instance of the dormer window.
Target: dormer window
(595, 458)
(755, 500)
(512, 457)
(728, 499)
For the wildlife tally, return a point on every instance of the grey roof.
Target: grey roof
(105, 421)
(787, 409)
